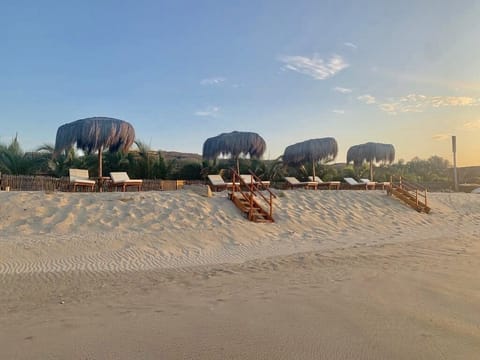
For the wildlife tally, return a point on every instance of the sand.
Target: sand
(174, 275)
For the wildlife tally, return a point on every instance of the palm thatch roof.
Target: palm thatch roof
(234, 144)
(92, 134)
(370, 152)
(313, 150)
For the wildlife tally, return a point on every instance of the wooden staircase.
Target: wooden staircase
(250, 199)
(412, 194)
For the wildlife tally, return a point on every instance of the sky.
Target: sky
(405, 73)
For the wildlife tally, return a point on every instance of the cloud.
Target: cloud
(342, 90)
(367, 99)
(213, 81)
(389, 108)
(418, 103)
(440, 137)
(314, 67)
(208, 111)
(350, 45)
(472, 125)
(340, 112)
(438, 101)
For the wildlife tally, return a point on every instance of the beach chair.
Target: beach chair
(376, 185)
(325, 184)
(218, 184)
(247, 179)
(294, 183)
(121, 180)
(80, 178)
(354, 184)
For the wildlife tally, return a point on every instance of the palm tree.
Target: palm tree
(13, 160)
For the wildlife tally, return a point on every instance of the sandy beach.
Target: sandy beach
(174, 275)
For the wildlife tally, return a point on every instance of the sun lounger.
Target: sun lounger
(354, 184)
(325, 184)
(247, 179)
(376, 185)
(218, 184)
(294, 183)
(80, 178)
(121, 180)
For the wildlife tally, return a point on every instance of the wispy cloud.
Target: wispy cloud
(340, 112)
(350, 45)
(440, 137)
(342, 90)
(213, 81)
(367, 99)
(421, 103)
(472, 125)
(315, 66)
(208, 111)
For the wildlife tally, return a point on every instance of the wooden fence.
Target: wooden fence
(48, 183)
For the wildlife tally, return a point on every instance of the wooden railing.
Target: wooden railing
(418, 192)
(255, 188)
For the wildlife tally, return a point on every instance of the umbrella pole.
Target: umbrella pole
(313, 166)
(371, 170)
(100, 163)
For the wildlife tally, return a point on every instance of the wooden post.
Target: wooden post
(371, 170)
(270, 204)
(454, 149)
(100, 170)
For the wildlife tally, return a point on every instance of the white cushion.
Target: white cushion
(351, 181)
(80, 176)
(292, 180)
(216, 180)
(122, 177)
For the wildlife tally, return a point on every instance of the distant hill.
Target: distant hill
(181, 156)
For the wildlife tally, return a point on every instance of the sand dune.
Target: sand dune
(339, 275)
(148, 230)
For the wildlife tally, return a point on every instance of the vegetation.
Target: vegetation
(145, 163)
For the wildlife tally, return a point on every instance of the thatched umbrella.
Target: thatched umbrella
(95, 134)
(313, 150)
(234, 144)
(371, 152)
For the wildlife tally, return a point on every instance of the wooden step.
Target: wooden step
(408, 198)
(258, 214)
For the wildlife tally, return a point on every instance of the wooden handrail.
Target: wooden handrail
(259, 181)
(234, 189)
(252, 190)
(254, 187)
(414, 189)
